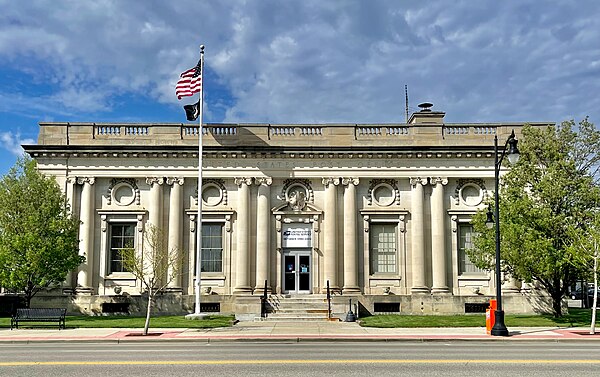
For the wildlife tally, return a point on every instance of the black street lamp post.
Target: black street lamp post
(499, 328)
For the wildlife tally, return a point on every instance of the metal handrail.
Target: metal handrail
(263, 303)
(328, 301)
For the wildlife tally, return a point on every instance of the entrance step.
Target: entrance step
(297, 308)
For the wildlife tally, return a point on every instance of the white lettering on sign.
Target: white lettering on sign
(296, 236)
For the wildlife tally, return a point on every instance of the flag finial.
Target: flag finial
(202, 49)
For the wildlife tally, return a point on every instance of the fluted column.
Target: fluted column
(243, 236)
(330, 243)
(350, 249)
(86, 234)
(438, 236)
(175, 227)
(155, 211)
(263, 232)
(418, 236)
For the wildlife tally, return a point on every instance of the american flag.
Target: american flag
(190, 82)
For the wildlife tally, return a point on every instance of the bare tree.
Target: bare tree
(155, 267)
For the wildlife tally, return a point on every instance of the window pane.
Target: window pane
(122, 236)
(128, 231)
(465, 241)
(212, 249)
(383, 248)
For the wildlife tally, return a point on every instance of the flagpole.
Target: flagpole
(199, 217)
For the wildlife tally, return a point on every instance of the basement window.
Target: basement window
(210, 307)
(386, 307)
(115, 308)
(476, 307)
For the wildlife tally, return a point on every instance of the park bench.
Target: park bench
(39, 315)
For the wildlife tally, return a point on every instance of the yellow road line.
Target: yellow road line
(357, 361)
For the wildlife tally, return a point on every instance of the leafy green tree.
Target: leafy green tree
(550, 189)
(155, 268)
(38, 235)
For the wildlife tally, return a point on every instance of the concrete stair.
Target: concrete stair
(286, 308)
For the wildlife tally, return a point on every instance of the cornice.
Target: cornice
(266, 153)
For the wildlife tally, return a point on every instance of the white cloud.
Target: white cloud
(12, 142)
(311, 61)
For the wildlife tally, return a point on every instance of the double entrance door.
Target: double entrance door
(296, 271)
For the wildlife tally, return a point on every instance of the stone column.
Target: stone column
(263, 232)
(330, 243)
(350, 247)
(155, 211)
(70, 193)
(418, 236)
(243, 237)
(438, 236)
(86, 234)
(175, 228)
(70, 183)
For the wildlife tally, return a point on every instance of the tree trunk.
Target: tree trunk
(557, 304)
(149, 308)
(28, 293)
(28, 297)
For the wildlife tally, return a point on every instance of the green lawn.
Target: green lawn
(172, 321)
(575, 318)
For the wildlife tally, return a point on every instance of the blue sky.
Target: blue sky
(296, 61)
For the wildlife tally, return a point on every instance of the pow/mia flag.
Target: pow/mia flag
(192, 111)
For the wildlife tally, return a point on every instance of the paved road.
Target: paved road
(451, 358)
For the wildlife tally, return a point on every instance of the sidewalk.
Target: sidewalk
(291, 331)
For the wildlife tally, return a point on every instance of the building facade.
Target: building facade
(379, 212)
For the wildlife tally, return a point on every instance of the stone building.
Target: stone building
(381, 212)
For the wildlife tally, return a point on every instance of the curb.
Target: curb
(292, 339)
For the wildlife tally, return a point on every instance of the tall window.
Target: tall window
(383, 248)
(465, 241)
(122, 236)
(212, 248)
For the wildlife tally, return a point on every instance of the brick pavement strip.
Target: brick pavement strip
(292, 331)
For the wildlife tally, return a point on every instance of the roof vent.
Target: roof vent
(425, 107)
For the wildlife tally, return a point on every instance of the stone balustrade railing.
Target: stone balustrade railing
(276, 135)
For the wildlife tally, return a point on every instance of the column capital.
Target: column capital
(89, 180)
(155, 180)
(263, 181)
(349, 181)
(243, 180)
(438, 180)
(175, 180)
(418, 180)
(331, 180)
